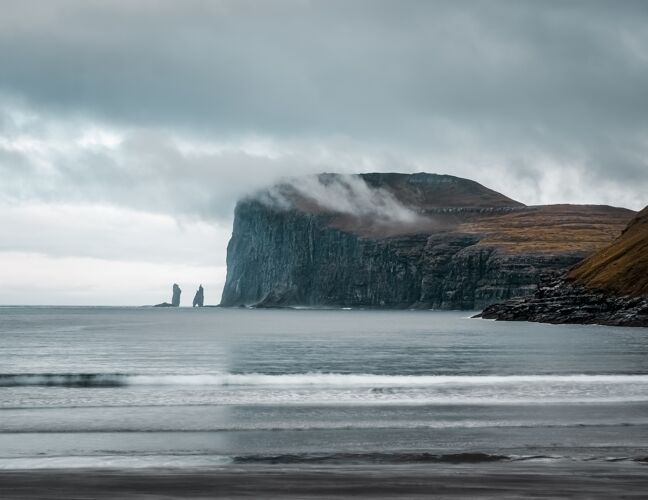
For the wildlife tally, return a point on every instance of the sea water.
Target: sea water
(146, 387)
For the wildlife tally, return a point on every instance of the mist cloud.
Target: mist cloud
(339, 194)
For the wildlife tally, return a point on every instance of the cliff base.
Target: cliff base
(559, 301)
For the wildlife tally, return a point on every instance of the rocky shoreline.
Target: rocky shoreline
(560, 301)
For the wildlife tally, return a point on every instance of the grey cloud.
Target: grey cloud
(151, 171)
(107, 233)
(475, 88)
(375, 68)
(147, 172)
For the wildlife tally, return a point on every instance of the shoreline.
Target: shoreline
(592, 481)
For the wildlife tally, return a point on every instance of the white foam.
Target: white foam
(112, 461)
(372, 380)
(323, 380)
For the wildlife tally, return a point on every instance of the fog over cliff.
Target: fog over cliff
(341, 194)
(128, 130)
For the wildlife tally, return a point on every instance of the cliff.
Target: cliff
(399, 241)
(610, 287)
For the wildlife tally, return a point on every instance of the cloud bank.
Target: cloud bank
(553, 96)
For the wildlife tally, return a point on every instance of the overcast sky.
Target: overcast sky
(129, 129)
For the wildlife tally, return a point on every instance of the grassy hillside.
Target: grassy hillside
(580, 229)
(622, 267)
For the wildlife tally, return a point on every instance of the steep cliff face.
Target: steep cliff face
(344, 247)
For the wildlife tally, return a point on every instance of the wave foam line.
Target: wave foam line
(303, 380)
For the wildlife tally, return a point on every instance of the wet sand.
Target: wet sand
(586, 481)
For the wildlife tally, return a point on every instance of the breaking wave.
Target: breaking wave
(409, 458)
(371, 381)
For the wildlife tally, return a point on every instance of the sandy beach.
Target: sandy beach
(595, 481)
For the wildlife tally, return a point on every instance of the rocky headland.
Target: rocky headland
(388, 240)
(609, 288)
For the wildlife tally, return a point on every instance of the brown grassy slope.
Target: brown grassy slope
(621, 267)
(580, 229)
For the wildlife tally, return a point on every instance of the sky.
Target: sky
(128, 130)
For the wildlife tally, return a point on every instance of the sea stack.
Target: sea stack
(199, 298)
(175, 300)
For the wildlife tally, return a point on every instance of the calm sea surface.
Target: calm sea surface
(139, 387)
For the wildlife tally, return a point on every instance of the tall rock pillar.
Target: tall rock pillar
(199, 298)
(175, 301)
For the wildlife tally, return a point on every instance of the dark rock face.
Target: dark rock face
(175, 300)
(285, 257)
(199, 298)
(559, 301)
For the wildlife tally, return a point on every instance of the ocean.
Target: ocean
(138, 388)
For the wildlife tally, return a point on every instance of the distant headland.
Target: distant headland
(391, 240)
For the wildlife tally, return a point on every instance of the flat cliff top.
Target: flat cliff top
(384, 194)
(387, 205)
(423, 191)
(621, 267)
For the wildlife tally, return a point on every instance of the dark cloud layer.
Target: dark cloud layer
(525, 86)
(360, 67)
